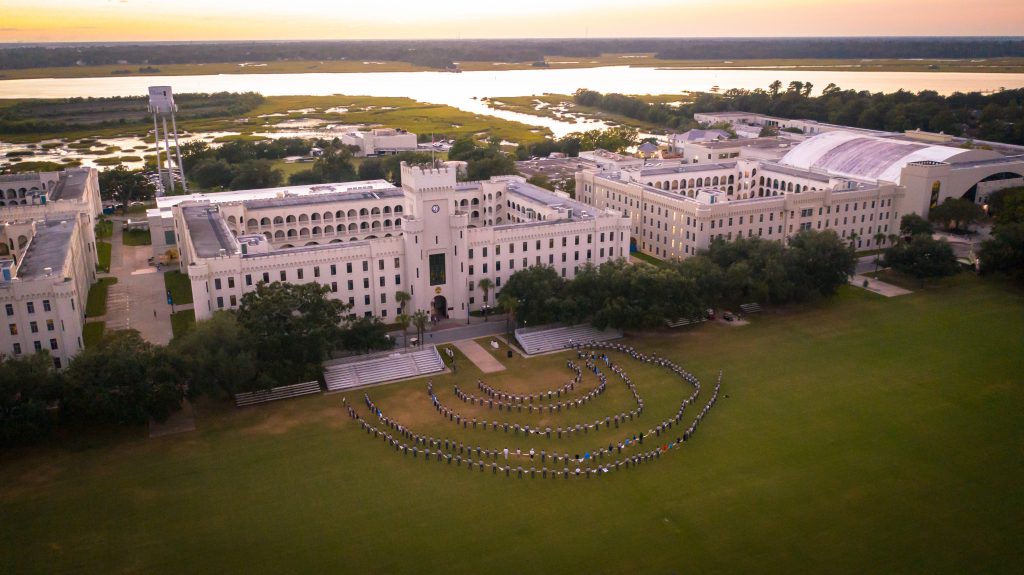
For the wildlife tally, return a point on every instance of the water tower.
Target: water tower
(161, 105)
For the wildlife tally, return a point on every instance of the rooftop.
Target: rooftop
(208, 231)
(167, 202)
(857, 155)
(660, 169)
(771, 142)
(71, 185)
(48, 249)
(546, 197)
(323, 198)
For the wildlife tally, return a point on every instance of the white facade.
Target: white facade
(857, 183)
(381, 141)
(47, 260)
(434, 238)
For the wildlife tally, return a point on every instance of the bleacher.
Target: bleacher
(382, 368)
(276, 393)
(684, 322)
(749, 308)
(547, 338)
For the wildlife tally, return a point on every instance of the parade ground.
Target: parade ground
(862, 434)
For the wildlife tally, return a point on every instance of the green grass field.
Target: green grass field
(181, 288)
(92, 332)
(97, 302)
(859, 435)
(136, 238)
(103, 256)
(182, 321)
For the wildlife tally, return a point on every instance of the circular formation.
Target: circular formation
(629, 451)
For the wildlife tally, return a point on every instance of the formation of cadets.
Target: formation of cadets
(512, 462)
(509, 401)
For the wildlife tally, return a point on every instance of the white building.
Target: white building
(380, 141)
(433, 238)
(858, 183)
(47, 260)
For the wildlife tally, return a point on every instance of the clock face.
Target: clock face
(435, 208)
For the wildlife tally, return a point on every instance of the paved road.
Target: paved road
(449, 331)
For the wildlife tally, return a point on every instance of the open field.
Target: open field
(859, 435)
(406, 113)
(637, 60)
(546, 105)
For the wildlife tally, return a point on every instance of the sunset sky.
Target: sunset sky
(124, 20)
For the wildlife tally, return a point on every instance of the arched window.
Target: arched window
(303, 218)
(352, 214)
(290, 219)
(278, 221)
(375, 211)
(304, 232)
(252, 223)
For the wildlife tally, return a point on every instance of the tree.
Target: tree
(1004, 252)
(774, 88)
(256, 174)
(221, 357)
(123, 381)
(956, 214)
(123, 185)
(537, 290)
(768, 132)
(922, 257)
(420, 319)
(1007, 205)
(913, 224)
(880, 238)
(371, 169)
(511, 307)
(293, 327)
(212, 174)
(27, 385)
(819, 262)
(403, 320)
(402, 297)
(485, 285)
(365, 335)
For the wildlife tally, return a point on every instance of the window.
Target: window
(366, 299)
(366, 283)
(383, 298)
(348, 267)
(334, 287)
(284, 275)
(398, 279)
(497, 250)
(381, 281)
(37, 345)
(316, 271)
(17, 349)
(46, 305)
(234, 301)
(220, 302)
(53, 344)
(266, 277)
(56, 362)
(470, 253)
(216, 283)
(49, 325)
(366, 265)
(300, 273)
(334, 270)
(398, 263)
(14, 328)
(231, 282)
(350, 286)
(33, 327)
(10, 309)
(437, 269)
(31, 307)
(497, 266)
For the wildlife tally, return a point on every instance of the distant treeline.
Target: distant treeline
(997, 117)
(442, 53)
(46, 116)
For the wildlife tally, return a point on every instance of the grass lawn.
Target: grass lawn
(137, 238)
(860, 435)
(182, 322)
(104, 228)
(181, 288)
(97, 303)
(92, 333)
(103, 255)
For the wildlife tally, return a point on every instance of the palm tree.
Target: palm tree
(893, 238)
(420, 319)
(403, 321)
(509, 304)
(485, 284)
(774, 88)
(807, 89)
(402, 297)
(879, 238)
(853, 240)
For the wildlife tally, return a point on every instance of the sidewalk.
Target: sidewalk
(878, 287)
(479, 356)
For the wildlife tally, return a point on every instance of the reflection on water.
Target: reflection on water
(464, 90)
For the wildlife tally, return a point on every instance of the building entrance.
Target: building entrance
(440, 310)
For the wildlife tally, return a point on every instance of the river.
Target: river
(464, 90)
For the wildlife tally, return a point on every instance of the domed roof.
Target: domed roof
(855, 155)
